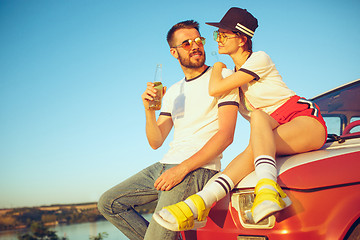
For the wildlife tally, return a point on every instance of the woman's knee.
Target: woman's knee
(256, 115)
(259, 118)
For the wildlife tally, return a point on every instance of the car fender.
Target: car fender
(344, 215)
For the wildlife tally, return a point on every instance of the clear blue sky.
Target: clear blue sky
(72, 72)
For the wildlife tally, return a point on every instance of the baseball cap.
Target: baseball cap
(237, 19)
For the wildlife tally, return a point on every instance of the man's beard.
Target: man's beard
(185, 61)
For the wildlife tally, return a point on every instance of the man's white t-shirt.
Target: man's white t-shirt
(195, 116)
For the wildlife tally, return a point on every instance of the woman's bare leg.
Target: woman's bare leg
(240, 166)
(302, 134)
(262, 138)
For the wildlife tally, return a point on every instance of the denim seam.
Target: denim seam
(125, 194)
(129, 225)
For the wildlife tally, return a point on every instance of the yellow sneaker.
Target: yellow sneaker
(269, 198)
(184, 216)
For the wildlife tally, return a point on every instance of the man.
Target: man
(203, 128)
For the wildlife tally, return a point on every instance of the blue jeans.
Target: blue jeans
(117, 204)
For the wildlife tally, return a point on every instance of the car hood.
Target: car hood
(332, 165)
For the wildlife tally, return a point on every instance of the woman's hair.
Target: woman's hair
(181, 25)
(247, 40)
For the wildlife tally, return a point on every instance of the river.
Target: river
(81, 231)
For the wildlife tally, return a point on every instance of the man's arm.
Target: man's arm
(156, 130)
(227, 115)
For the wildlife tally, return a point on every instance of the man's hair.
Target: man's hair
(181, 25)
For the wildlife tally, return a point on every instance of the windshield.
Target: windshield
(340, 106)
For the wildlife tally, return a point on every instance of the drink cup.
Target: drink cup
(156, 103)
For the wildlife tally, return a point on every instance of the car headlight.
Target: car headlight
(242, 201)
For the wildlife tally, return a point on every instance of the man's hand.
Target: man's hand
(149, 94)
(170, 178)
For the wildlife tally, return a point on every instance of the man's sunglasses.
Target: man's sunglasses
(187, 44)
(222, 37)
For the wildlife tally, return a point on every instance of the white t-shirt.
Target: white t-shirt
(195, 116)
(267, 91)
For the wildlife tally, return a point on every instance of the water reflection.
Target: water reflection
(93, 229)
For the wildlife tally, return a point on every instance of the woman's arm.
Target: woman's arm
(219, 85)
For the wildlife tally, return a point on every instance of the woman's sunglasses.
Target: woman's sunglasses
(187, 44)
(222, 37)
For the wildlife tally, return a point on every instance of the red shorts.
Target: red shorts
(296, 107)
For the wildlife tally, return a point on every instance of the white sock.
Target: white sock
(216, 190)
(265, 167)
(213, 192)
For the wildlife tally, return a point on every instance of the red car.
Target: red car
(324, 185)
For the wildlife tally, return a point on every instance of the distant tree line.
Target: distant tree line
(24, 217)
(20, 218)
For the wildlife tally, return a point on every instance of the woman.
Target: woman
(281, 123)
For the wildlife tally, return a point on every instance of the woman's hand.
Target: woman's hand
(219, 65)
